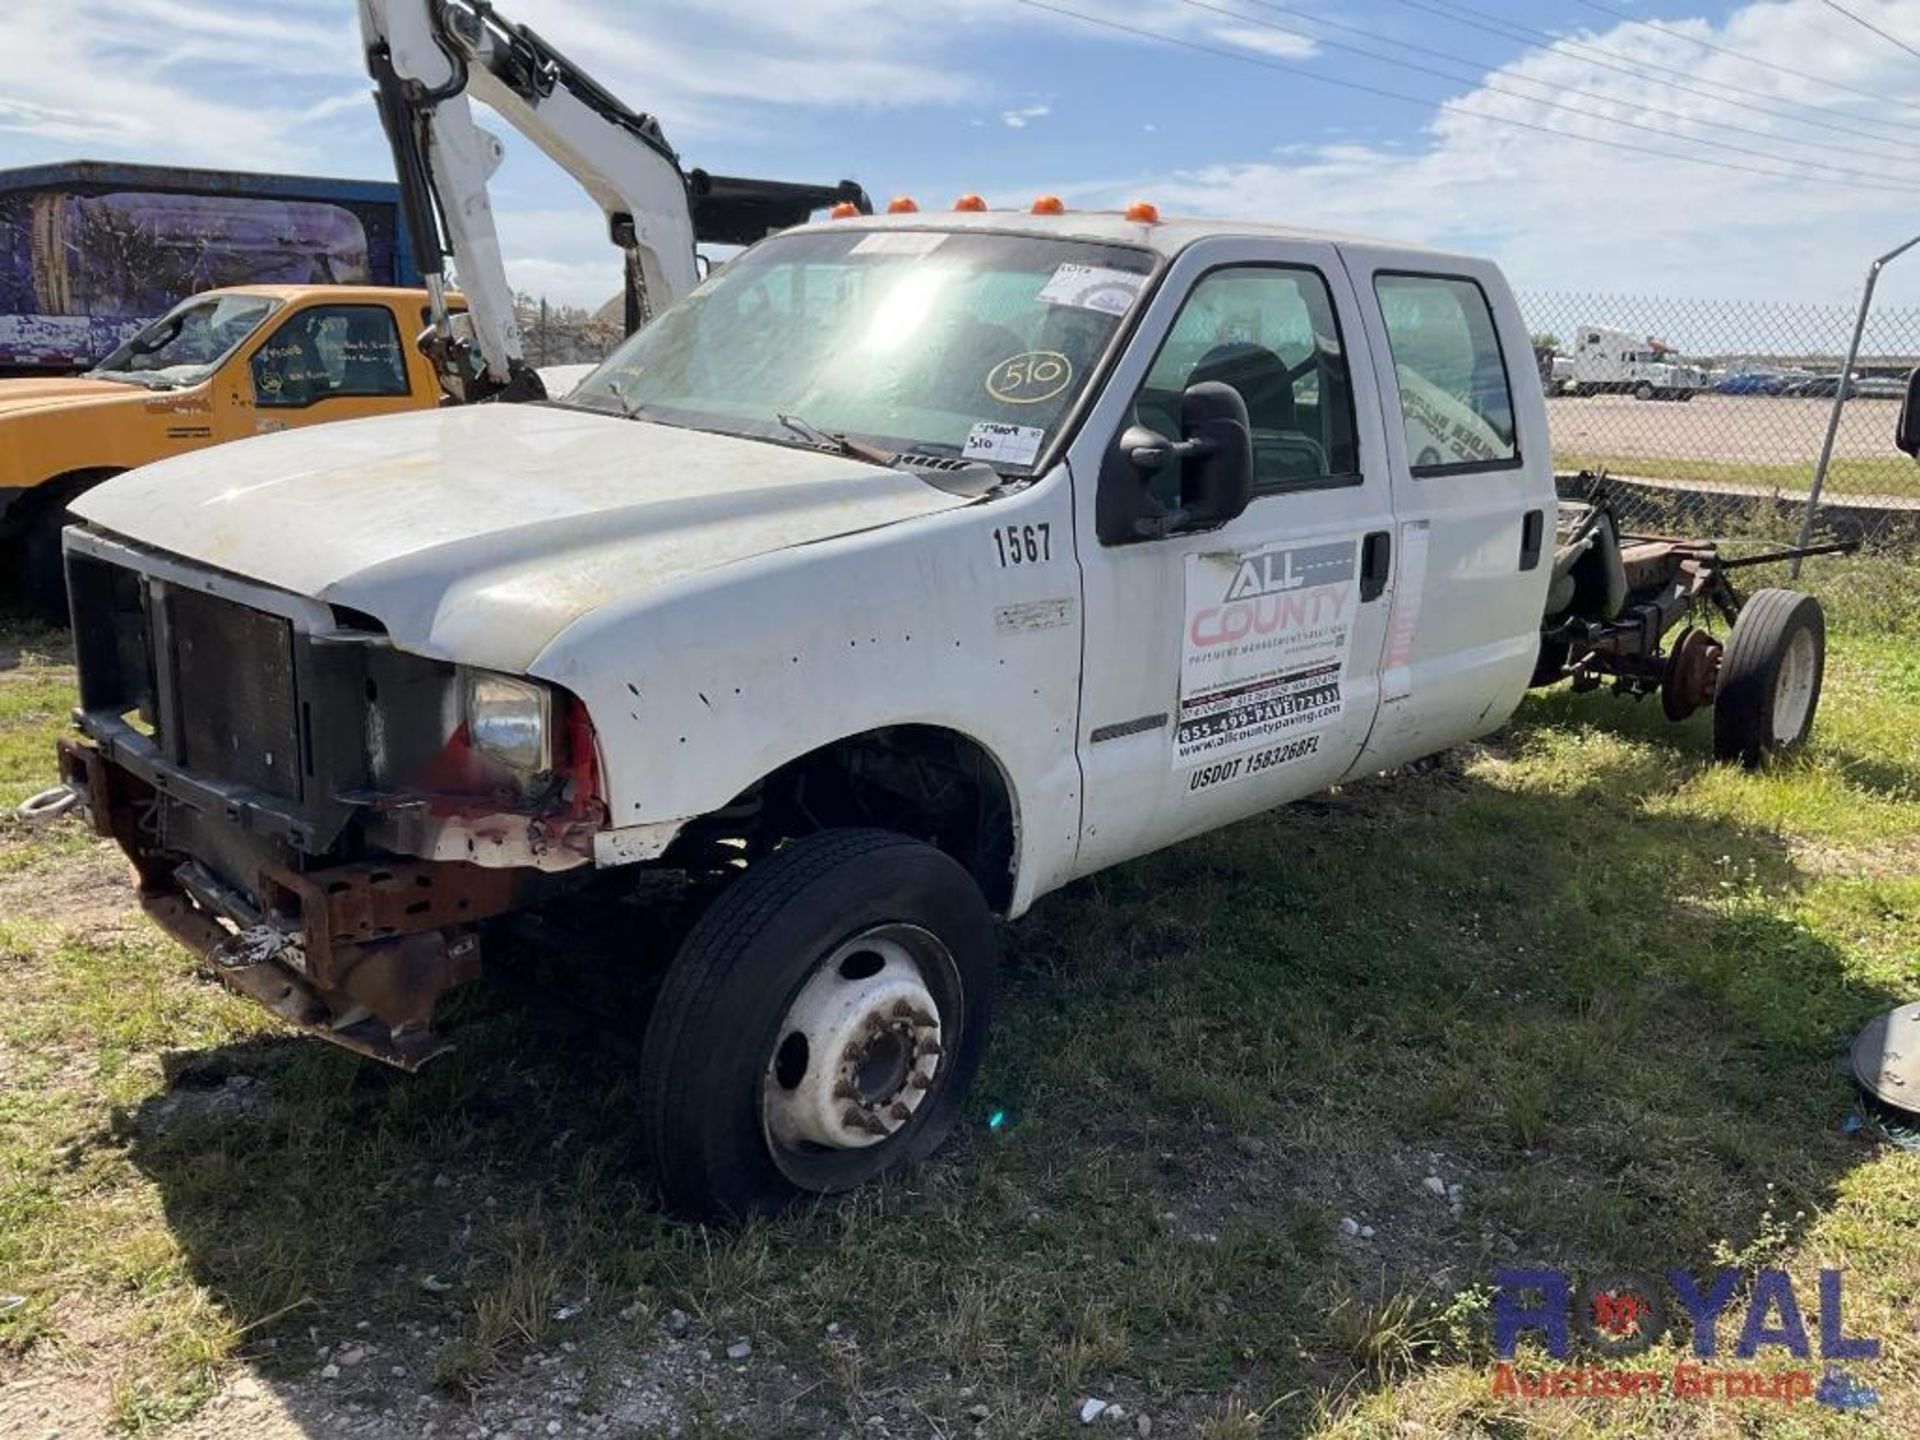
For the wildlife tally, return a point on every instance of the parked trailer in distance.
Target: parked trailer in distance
(91, 252)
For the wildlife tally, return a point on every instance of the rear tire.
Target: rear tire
(1770, 677)
(742, 1119)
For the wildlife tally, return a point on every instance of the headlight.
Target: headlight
(510, 721)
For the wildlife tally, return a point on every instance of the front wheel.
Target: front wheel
(820, 1026)
(1643, 391)
(43, 575)
(1770, 677)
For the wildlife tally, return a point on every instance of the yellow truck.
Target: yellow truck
(222, 365)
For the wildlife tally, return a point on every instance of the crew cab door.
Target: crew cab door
(1473, 495)
(330, 360)
(1230, 669)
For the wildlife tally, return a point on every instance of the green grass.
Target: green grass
(1605, 981)
(1893, 475)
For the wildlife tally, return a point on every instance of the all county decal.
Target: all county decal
(1264, 653)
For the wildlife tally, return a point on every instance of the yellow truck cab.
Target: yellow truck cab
(222, 365)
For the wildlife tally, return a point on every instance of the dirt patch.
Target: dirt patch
(90, 894)
(636, 1377)
(1892, 860)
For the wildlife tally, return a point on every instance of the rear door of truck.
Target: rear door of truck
(1473, 496)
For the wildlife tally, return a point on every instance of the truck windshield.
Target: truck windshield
(184, 346)
(950, 344)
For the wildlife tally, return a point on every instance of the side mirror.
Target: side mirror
(1213, 460)
(1213, 420)
(1906, 431)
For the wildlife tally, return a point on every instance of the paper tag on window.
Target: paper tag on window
(900, 242)
(1003, 444)
(1092, 287)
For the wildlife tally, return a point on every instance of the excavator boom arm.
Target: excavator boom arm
(430, 59)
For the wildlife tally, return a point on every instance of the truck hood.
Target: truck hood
(20, 396)
(479, 534)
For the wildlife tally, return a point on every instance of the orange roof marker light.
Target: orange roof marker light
(845, 210)
(1049, 205)
(970, 204)
(902, 205)
(1144, 211)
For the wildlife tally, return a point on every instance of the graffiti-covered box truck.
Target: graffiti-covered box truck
(909, 569)
(90, 251)
(146, 310)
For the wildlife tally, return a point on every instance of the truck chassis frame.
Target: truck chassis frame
(1656, 644)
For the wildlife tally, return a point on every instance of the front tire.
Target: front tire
(43, 574)
(1643, 391)
(820, 1027)
(1770, 677)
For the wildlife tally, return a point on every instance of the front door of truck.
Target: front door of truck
(321, 362)
(1472, 491)
(1232, 669)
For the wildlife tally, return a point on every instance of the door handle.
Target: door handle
(1376, 564)
(1533, 537)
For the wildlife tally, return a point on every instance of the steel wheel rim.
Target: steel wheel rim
(1793, 688)
(878, 1018)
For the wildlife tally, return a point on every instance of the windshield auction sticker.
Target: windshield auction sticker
(900, 242)
(1092, 287)
(1003, 444)
(1265, 651)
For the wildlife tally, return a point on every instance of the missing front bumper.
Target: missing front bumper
(357, 954)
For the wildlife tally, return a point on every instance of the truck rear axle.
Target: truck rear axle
(1615, 601)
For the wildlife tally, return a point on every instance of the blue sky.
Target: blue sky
(935, 97)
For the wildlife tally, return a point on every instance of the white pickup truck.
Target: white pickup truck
(909, 569)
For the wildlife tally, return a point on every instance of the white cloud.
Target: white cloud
(1285, 44)
(196, 81)
(230, 83)
(1565, 214)
(167, 81)
(561, 254)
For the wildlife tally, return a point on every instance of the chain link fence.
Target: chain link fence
(1708, 416)
(1704, 416)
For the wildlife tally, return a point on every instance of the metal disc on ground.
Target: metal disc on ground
(1886, 1059)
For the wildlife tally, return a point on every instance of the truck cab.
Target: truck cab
(909, 569)
(223, 365)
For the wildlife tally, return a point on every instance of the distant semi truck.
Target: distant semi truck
(91, 252)
(1613, 362)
